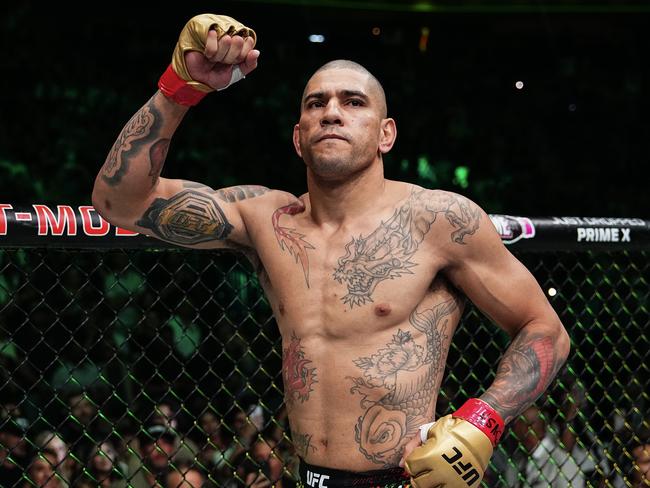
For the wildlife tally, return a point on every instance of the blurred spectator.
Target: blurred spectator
(185, 474)
(49, 440)
(211, 440)
(539, 460)
(634, 458)
(101, 464)
(83, 423)
(574, 435)
(167, 412)
(264, 453)
(14, 455)
(641, 462)
(84, 481)
(148, 465)
(41, 471)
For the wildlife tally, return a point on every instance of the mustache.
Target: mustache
(330, 135)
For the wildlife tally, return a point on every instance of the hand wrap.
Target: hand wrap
(176, 82)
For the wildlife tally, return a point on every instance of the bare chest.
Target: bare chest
(345, 284)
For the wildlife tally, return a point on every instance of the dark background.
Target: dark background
(573, 141)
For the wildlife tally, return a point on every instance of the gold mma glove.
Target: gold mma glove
(457, 448)
(176, 82)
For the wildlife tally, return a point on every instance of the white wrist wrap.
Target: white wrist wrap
(235, 77)
(424, 430)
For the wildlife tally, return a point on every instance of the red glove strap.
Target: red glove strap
(482, 416)
(176, 88)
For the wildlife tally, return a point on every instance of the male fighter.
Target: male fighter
(366, 276)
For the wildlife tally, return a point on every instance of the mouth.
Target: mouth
(330, 137)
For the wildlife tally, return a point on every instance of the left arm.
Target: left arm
(504, 290)
(456, 448)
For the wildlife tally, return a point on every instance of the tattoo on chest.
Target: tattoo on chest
(387, 252)
(189, 217)
(142, 129)
(298, 374)
(403, 374)
(290, 240)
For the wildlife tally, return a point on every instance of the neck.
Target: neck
(336, 201)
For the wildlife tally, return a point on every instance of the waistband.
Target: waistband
(318, 477)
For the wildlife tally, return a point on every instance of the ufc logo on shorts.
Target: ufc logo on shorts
(466, 470)
(316, 479)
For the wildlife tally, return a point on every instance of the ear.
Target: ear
(387, 135)
(296, 139)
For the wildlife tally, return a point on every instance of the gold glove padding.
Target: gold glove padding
(194, 36)
(455, 455)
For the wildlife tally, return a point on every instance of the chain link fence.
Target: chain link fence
(117, 365)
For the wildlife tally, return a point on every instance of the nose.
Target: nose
(331, 114)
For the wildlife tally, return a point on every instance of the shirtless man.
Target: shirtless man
(364, 275)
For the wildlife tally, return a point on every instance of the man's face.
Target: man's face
(82, 409)
(642, 463)
(41, 471)
(158, 454)
(12, 446)
(341, 127)
(189, 479)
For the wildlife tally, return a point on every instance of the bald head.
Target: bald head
(375, 87)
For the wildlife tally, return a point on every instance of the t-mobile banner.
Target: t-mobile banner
(68, 226)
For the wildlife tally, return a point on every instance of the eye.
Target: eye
(355, 102)
(315, 104)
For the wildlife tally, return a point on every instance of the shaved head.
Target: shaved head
(375, 86)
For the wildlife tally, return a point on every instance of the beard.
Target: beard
(334, 165)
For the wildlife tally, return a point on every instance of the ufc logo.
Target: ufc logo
(316, 479)
(466, 470)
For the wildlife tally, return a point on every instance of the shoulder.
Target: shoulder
(254, 201)
(454, 212)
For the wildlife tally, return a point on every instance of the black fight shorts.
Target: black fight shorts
(317, 477)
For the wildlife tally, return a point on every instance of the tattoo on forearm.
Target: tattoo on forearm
(405, 375)
(189, 217)
(291, 240)
(302, 443)
(241, 192)
(157, 156)
(387, 252)
(298, 374)
(142, 130)
(524, 373)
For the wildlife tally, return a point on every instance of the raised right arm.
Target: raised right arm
(129, 191)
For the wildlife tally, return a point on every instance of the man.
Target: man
(364, 275)
(148, 465)
(185, 475)
(14, 448)
(42, 471)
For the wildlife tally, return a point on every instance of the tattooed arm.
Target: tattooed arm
(130, 193)
(500, 285)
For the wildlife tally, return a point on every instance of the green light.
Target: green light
(404, 165)
(425, 170)
(461, 176)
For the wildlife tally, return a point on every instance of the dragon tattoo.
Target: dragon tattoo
(387, 252)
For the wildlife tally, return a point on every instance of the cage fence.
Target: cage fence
(119, 362)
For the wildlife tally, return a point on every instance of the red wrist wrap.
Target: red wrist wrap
(482, 416)
(176, 88)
